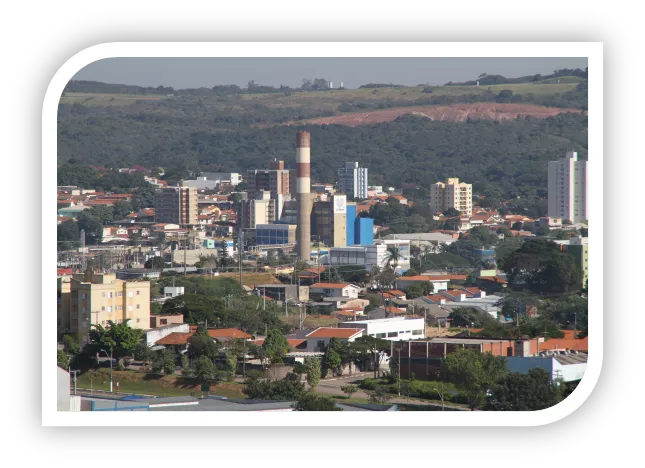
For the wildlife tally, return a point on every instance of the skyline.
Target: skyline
(190, 73)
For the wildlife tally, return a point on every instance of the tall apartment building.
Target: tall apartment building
(262, 210)
(452, 194)
(353, 180)
(176, 205)
(92, 298)
(275, 180)
(568, 188)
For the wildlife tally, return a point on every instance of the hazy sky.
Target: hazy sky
(208, 72)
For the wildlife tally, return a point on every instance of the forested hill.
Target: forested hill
(568, 74)
(505, 158)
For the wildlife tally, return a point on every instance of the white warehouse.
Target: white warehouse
(393, 329)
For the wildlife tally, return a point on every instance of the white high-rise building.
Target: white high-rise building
(568, 188)
(353, 180)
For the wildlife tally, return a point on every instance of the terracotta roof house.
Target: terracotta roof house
(222, 334)
(318, 339)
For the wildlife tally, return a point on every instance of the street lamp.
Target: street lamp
(110, 367)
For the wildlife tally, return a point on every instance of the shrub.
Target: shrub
(368, 384)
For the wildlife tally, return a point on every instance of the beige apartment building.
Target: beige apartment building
(95, 298)
(452, 194)
(176, 205)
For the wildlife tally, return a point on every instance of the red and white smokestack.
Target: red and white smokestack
(303, 194)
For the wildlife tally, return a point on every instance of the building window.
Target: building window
(129, 308)
(138, 306)
(380, 335)
(103, 308)
(129, 293)
(392, 334)
(417, 332)
(138, 320)
(138, 292)
(110, 295)
(109, 309)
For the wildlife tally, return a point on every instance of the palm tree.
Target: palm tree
(393, 255)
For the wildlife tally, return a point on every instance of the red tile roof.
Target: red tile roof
(473, 291)
(64, 271)
(579, 344)
(325, 332)
(457, 292)
(495, 279)
(228, 333)
(175, 338)
(438, 298)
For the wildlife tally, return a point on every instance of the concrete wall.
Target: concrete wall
(62, 390)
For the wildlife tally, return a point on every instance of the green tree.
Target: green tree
(331, 362)
(230, 367)
(68, 235)
(63, 359)
(524, 392)
(543, 267)
(186, 370)
(451, 212)
(204, 369)
(275, 346)
(349, 390)
(372, 349)
(71, 347)
(168, 360)
(120, 338)
(313, 371)
(311, 402)
(143, 353)
(202, 344)
(474, 373)
(419, 290)
(155, 263)
(197, 308)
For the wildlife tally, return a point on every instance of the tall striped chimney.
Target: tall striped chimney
(303, 195)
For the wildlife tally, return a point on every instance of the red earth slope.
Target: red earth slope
(454, 112)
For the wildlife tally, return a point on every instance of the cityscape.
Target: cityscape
(321, 248)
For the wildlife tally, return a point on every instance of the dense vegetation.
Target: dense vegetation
(501, 160)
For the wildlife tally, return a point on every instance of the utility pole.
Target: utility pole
(185, 247)
(74, 372)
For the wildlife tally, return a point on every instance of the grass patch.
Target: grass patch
(153, 384)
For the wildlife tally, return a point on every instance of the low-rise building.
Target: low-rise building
(318, 340)
(334, 290)
(393, 329)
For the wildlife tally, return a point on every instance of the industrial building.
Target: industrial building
(95, 298)
(452, 194)
(329, 221)
(275, 234)
(370, 256)
(352, 180)
(568, 188)
(176, 205)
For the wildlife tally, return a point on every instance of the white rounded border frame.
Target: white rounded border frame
(592, 50)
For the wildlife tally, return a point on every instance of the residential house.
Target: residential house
(319, 338)
(336, 290)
